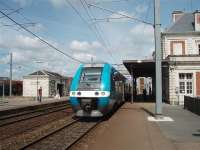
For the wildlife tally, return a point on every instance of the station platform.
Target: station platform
(130, 129)
(14, 103)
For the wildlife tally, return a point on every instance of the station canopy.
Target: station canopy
(140, 68)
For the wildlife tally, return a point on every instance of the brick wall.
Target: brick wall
(198, 83)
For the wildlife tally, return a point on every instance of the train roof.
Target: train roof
(94, 65)
(101, 64)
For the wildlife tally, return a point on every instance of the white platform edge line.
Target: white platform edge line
(163, 119)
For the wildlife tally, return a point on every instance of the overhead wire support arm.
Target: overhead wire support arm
(99, 31)
(112, 1)
(121, 14)
(82, 18)
(12, 12)
(94, 30)
(42, 40)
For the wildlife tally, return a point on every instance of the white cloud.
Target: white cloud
(58, 3)
(21, 42)
(38, 27)
(86, 57)
(142, 8)
(23, 3)
(85, 45)
(143, 32)
(26, 50)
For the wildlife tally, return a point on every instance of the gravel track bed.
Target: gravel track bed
(6, 120)
(23, 139)
(30, 124)
(90, 137)
(64, 138)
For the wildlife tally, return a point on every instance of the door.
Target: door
(60, 89)
(185, 86)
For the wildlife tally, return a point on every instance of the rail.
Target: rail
(6, 120)
(64, 137)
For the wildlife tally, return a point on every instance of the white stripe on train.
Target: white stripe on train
(89, 93)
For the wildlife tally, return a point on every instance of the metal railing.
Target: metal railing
(192, 104)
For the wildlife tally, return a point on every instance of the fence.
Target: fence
(192, 104)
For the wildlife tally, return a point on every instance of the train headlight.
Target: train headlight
(79, 93)
(73, 93)
(103, 93)
(96, 93)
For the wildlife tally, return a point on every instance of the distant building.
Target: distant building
(16, 87)
(181, 48)
(50, 82)
(181, 60)
(143, 83)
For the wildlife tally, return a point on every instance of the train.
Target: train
(96, 90)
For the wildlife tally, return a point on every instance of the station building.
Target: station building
(16, 87)
(50, 82)
(180, 63)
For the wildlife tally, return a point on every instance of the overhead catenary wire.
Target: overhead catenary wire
(42, 40)
(12, 12)
(18, 12)
(91, 16)
(121, 14)
(82, 18)
(98, 30)
(107, 19)
(112, 1)
(24, 24)
(85, 21)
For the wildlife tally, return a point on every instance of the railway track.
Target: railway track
(18, 117)
(64, 137)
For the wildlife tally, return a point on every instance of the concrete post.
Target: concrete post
(157, 34)
(37, 86)
(3, 90)
(132, 85)
(11, 73)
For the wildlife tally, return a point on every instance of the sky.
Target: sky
(80, 30)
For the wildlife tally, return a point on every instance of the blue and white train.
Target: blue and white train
(96, 89)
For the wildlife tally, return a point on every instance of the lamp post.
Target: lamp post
(11, 65)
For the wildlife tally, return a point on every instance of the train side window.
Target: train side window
(112, 81)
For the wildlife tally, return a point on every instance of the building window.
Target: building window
(177, 47)
(185, 83)
(189, 87)
(182, 87)
(198, 19)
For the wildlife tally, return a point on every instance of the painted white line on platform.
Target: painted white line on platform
(160, 119)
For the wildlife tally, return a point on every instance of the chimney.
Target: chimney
(176, 15)
(197, 20)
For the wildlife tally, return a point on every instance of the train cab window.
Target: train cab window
(90, 78)
(91, 75)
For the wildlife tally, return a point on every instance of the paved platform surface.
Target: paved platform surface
(19, 102)
(184, 132)
(128, 129)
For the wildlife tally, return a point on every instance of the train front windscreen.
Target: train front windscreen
(90, 79)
